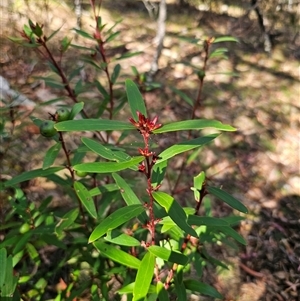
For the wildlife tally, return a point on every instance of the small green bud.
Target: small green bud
(47, 128)
(62, 114)
(81, 174)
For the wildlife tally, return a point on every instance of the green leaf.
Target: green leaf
(53, 33)
(117, 218)
(115, 73)
(117, 255)
(66, 221)
(180, 289)
(144, 277)
(175, 211)
(76, 109)
(135, 99)
(93, 125)
(233, 219)
(186, 98)
(230, 232)
(214, 261)
(51, 155)
(103, 188)
(101, 89)
(198, 182)
(197, 124)
(10, 281)
(65, 43)
(84, 34)
(134, 71)
(112, 36)
(184, 146)
(3, 255)
(128, 195)
(158, 173)
(121, 239)
(168, 255)
(104, 151)
(219, 52)
(51, 82)
(161, 292)
(22, 242)
(227, 198)
(17, 40)
(128, 55)
(225, 39)
(206, 221)
(202, 288)
(33, 253)
(85, 198)
(107, 167)
(128, 289)
(28, 175)
(81, 87)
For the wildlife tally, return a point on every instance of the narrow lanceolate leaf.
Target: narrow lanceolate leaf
(227, 198)
(66, 221)
(197, 124)
(51, 155)
(202, 288)
(135, 99)
(161, 292)
(10, 280)
(144, 277)
(3, 255)
(115, 73)
(158, 173)
(168, 255)
(180, 289)
(206, 221)
(225, 39)
(116, 219)
(175, 211)
(85, 198)
(118, 238)
(76, 109)
(233, 219)
(198, 182)
(103, 188)
(228, 231)
(104, 151)
(184, 96)
(128, 195)
(28, 175)
(107, 167)
(185, 146)
(128, 289)
(117, 255)
(93, 125)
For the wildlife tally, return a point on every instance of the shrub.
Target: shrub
(117, 238)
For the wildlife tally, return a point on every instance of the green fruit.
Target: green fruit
(62, 114)
(81, 174)
(47, 128)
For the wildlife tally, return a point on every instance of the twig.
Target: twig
(251, 272)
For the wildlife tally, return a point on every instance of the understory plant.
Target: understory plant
(123, 232)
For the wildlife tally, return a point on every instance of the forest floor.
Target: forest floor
(256, 92)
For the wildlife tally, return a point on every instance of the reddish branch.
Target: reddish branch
(146, 126)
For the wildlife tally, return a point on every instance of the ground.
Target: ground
(256, 92)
